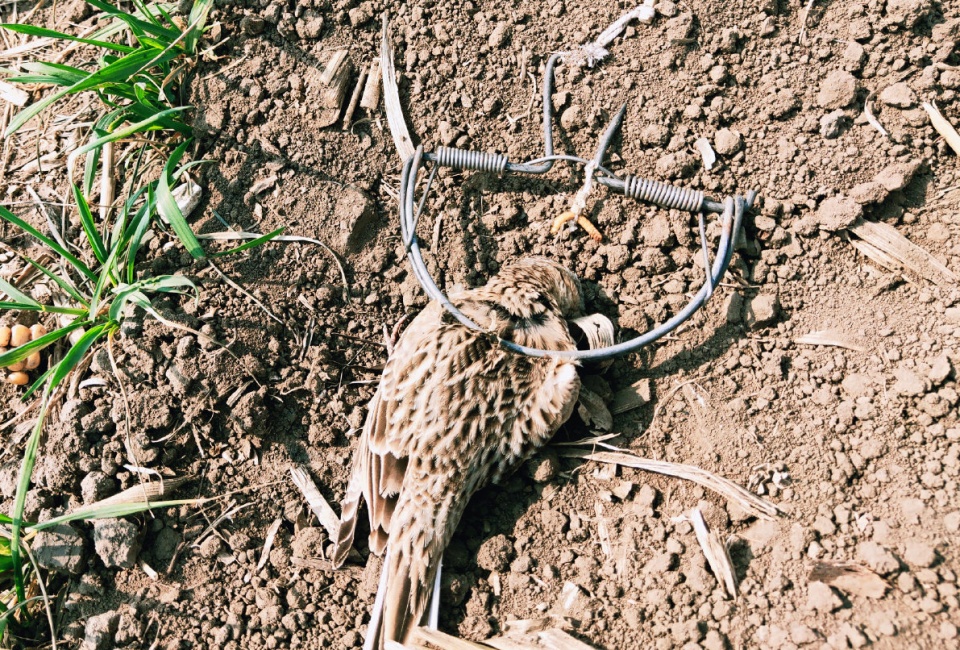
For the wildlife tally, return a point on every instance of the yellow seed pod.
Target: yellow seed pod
(19, 335)
(18, 378)
(37, 331)
(32, 361)
(4, 336)
(17, 367)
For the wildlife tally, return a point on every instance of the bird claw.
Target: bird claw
(582, 221)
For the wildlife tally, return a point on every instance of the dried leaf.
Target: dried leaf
(325, 514)
(718, 558)
(898, 251)
(850, 578)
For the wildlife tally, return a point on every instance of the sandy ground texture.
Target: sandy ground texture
(822, 374)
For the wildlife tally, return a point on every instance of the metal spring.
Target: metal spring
(662, 194)
(465, 159)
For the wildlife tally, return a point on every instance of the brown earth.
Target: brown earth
(859, 444)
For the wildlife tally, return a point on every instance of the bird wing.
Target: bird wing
(380, 461)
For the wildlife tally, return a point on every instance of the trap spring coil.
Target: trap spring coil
(664, 195)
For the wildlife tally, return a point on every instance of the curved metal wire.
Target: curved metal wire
(731, 223)
(640, 189)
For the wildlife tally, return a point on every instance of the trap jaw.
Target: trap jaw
(664, 195)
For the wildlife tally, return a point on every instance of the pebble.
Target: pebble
(877, 558)
(96, 486)
(99, 631)
(495, 554)
(727, 142)
(59, 549)
(837, 212)
(899, 95)
(951, 521)
(761, 310)
(908, 382)
(838, 89)
(868, 193)
(919, 553)
(832, 124)
(117, 542)
(822, 598)
(897, 176)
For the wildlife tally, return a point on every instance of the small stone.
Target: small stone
(821, 598)
(832, 124)
(899, 95)
(801, 634)
(824, 526)
(96, 486)
(951, 521)
(310, 24)
(210, 547)
(357, 216)
(544, 467)
(59, 549)
(897, 176)
(907, 13)
(351, 639)
(361, 14)
(727, 142)
(948, 631)
(571, 118)
(99, 631)
(655, 135)
(117, 542)
(838, 89)
(676, 165)
(877, 558)
(868, 193)
(660, 563)
(908, 383)
(918, 553)
(252, 25)
(837, 213)
(495, 554)
(500, 35)
(761, 310)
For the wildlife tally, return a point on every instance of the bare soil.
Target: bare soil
(859, 443)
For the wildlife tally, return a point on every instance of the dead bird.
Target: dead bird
(454, 411)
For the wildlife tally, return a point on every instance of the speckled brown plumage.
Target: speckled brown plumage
(454, 411)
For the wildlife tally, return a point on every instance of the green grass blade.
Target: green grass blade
(37, 384)
(25, 350)
(134, 292)
(48, 309)
(119, 134)
(252, 243)
(16, 294)
(90, 226)
(112, 511)
(137, 26)
(61, 282)
(60, 250)
(62, 369)
(138, 228)
(169, 210)
(120, 70)
(198, 19)
(33, 30)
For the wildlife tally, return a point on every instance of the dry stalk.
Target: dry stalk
(726, 488)
(391, 97)
(716, 553)
(325, 514)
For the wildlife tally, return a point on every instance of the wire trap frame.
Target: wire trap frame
(664, 195)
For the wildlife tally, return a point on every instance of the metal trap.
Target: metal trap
(664, 195)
